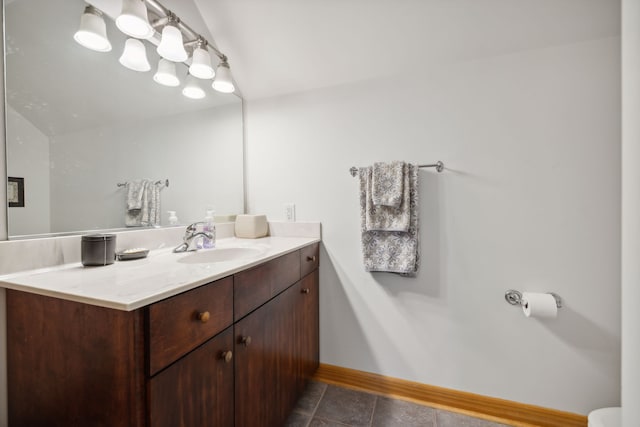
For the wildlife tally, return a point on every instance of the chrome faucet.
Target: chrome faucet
(191, 237)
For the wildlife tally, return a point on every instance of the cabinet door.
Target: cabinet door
(73, 364)
(266, 363)
(307, 327)
(197, 390)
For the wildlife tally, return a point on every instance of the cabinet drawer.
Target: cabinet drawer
(179, 324)
(309, 258)
(254, 287)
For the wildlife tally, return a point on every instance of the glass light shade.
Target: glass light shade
(201, 64)
(92, 33)
(171, 46)
(134, 56)
(166, 74)
(223, 81)
(133, 20)
(192, 89)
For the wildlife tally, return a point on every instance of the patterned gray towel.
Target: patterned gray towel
(387, 183)
(151, 205)
(391, 251)
(389, 218)
(136, 191)
(146, 211)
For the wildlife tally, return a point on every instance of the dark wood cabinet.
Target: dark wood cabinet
(197, 390)
(309, 259)
(257, 362)
(276, 353)
(178, 362)
(179, 324)
(72, 364)
(307, 328)
(253, 287)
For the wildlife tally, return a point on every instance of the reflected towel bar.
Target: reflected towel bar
(438, 165)
(166, 183)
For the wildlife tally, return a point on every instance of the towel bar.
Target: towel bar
(166, 183)
(438, 165)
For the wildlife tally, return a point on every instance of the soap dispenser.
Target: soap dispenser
(209, 227)
(173, 218)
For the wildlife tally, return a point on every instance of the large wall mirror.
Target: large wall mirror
(78, 124)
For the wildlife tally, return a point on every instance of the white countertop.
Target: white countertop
(129, 285)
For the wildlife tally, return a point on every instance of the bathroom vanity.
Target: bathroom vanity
(212, 344)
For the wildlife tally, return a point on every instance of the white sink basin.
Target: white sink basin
(221, 255)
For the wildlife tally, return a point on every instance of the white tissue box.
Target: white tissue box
(251, 226)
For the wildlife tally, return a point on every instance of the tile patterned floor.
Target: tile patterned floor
(331, 406)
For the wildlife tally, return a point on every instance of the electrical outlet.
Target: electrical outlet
(290, 212)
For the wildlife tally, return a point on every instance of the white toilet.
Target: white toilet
(606, 417)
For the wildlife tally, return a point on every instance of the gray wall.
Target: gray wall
(197, 151)
(28, 152)
(529, 199)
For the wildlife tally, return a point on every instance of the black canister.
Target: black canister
(98, 249)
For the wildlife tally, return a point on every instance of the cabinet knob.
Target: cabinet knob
(311, 258)
(227, 356)
(246, 341)
(305, 290)
(204, 316)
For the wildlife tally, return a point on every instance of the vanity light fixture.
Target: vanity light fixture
(133, 20)
(223, 81)
(92, 33)
(171, 46)
(193, 89)
(166, 74)
(134, 56)
(201, 61)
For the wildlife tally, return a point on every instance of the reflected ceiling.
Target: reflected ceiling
(40, 78)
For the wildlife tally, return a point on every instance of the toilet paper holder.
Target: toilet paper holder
(514, 297)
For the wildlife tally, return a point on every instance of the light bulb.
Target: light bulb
(201, 64)
(223, 81)
(192, 89)
(134, 56)
(133, 20)
(166, 74)
(92, 33)
(171, 46)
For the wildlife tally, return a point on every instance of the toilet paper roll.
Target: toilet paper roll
(540, 305)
